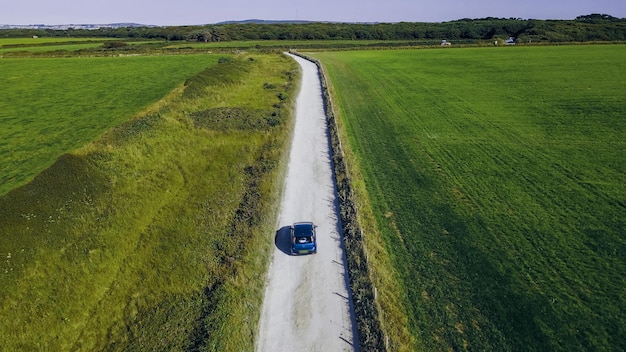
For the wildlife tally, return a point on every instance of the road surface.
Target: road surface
(307, 306)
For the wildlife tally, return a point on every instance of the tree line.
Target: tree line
(594, 27)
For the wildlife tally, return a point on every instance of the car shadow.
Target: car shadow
(282, 240)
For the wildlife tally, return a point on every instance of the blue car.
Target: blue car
(303, 238)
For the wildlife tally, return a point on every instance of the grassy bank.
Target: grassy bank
(155, 236)
(494, 182)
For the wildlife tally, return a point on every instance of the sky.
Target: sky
(199, 12)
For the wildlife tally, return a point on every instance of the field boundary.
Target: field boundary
(367, 312)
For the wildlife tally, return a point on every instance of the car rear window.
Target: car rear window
(303, 230)
(304, 239)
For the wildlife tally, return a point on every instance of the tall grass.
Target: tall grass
(155, 236)
(495, 182)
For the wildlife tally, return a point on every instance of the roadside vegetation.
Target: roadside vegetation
(490, 189)
(151, 230)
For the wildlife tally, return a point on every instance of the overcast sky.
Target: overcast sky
(193, 12)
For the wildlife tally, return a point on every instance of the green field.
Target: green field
(299, 44)
(50, 48)
(35, 45)
(51, 106)
(495, 177)
(47, 40)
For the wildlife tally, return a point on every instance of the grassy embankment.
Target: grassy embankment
(51, 106)
(155, 236)
(492, 180)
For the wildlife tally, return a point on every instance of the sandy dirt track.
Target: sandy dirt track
(307, 305)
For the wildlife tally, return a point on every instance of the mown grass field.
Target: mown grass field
(51, 106)
(32, 45)
(259, 44)
(24, 47)
(47, 40)
(495, 181)
(50, 48)
(8, 42)
(151, 231)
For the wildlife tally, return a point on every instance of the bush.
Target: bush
(115, 44)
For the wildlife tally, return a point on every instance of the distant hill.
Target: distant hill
(72, 25)
(257, 21)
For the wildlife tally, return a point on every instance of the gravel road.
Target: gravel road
(307, 305)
